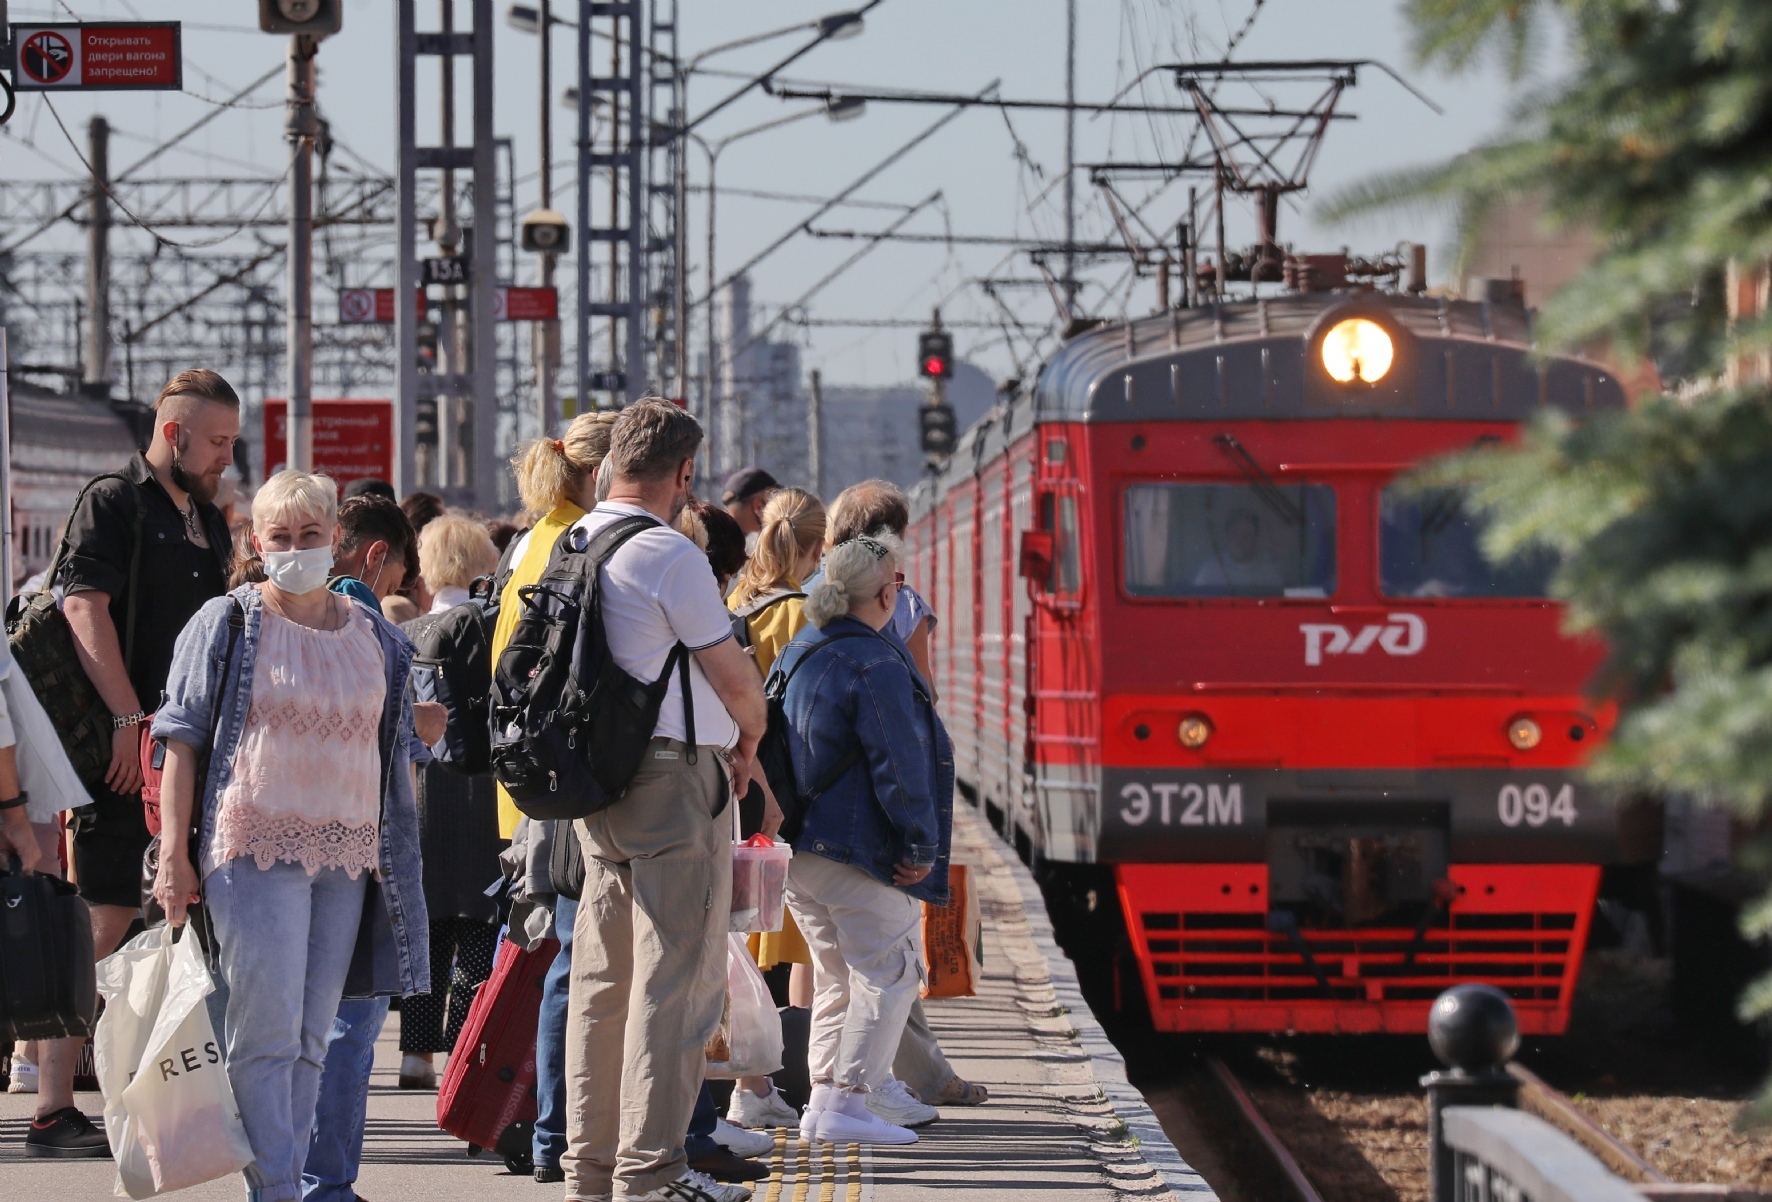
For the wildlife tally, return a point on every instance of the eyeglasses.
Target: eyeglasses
(898, 579)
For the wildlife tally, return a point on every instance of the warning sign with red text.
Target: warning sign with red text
(107, 56)
(353, 439)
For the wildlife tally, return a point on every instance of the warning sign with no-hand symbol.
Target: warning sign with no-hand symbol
(108, 56)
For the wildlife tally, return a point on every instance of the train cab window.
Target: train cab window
(1230, 540)
(1430, 546)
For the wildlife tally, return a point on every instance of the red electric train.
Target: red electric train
(1201, 651)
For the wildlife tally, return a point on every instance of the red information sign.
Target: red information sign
(107, 56)
(376, 305)
(353, 439)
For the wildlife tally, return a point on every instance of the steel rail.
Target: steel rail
(1281, 1155)
(1557, 1108)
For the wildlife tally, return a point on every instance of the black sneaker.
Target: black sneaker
(548, 1174)
(67, 1132)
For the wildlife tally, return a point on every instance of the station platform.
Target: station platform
(1061, 1119)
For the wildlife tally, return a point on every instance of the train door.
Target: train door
(1061, 681)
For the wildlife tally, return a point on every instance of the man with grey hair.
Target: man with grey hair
(652, 917)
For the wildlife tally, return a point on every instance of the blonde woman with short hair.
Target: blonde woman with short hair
(453, 551)
(307, 826)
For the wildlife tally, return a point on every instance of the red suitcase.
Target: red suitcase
(488, 1092)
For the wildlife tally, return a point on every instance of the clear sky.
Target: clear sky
(996, 176)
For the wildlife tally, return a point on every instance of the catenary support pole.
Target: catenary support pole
(300, 129)
(547, 333)
(815, 435)
(96, 377)
(1070, 156)
(6, 543)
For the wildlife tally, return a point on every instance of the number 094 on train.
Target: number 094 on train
(1205, 650)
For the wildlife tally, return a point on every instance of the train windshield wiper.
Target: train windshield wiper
(1271, 493)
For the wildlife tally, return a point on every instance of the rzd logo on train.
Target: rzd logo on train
(1401, 634)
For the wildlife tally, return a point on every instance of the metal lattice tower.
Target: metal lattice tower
(464, 390)
(610, 316)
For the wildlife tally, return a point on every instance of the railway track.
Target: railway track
(1265, 1150)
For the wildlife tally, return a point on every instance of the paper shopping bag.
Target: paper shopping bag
(953, 940)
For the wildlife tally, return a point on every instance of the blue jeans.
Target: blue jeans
(550, 1045)
(285, 940)
(336, 1147)
(700, 1140)
(550, 1062)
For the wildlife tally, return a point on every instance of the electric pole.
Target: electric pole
(547, 333)
(96, 377)
(815, 435)
(1070, 157)
(300, 128)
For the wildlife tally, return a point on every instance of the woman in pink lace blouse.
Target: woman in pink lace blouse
(296, 694)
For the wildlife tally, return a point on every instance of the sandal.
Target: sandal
(960, 1092)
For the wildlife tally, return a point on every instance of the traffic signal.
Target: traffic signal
(939, 429)
(935, 354)
(301, 16)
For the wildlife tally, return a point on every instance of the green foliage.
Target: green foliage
(1658, 140)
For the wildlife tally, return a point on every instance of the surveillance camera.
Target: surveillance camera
(546, 232)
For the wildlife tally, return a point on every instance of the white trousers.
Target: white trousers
(866, 940)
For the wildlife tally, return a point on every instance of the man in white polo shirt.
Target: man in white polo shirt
(649, 943)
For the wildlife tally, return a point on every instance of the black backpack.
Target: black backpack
(773, 753)
(741, 617)
(569, 725)
(453, 665)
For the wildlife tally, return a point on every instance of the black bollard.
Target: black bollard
(1473, 1031)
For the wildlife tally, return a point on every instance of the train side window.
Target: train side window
(1430, 545)
(1056, 564)
(1230, 540)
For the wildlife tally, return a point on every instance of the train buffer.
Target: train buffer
(1061, 1114)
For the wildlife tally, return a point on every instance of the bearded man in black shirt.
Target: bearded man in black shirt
(162, 501)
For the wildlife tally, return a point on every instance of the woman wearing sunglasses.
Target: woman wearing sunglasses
(866, 740)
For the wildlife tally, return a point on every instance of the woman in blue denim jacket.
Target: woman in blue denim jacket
(876, 838)
(308, 832)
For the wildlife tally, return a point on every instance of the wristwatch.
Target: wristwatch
(13, 803)
(125, 721)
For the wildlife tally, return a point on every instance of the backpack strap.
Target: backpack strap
(854, 755)
(598, 552)
(763, 601)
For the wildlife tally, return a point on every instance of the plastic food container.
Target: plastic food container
(759, 878)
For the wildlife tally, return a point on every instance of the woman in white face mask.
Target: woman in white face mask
(288, 732)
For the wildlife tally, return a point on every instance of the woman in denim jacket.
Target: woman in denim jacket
(876, 838)
(307, 833)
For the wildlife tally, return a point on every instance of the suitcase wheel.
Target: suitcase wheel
(475, 1149)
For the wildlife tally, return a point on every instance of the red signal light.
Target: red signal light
(935, 366)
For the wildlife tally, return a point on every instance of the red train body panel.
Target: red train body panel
(1190, 526)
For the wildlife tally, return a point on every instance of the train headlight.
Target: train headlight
(1194, 730)
(1524, 733)
(1357, 351)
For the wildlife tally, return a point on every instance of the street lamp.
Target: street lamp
(845, 108)
(833, 111)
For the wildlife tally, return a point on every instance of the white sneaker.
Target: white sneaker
(840, 1127)
(769, 1111)
(417, 1073)
(823, 1097)
(24, 1077)
(740, 1142)
(697, 1187)
(895, 1103)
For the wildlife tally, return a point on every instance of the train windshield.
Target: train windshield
(1230, 540)
(1430, 546)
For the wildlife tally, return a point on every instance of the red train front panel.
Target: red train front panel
(1329, 751)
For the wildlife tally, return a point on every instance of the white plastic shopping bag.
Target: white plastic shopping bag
(169, 1110)
(748, 1043)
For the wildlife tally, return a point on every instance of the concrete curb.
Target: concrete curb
(1105, 1061)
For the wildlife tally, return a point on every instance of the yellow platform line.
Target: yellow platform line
(837, 1171)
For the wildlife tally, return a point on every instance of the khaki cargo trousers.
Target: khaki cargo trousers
(648, 972)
